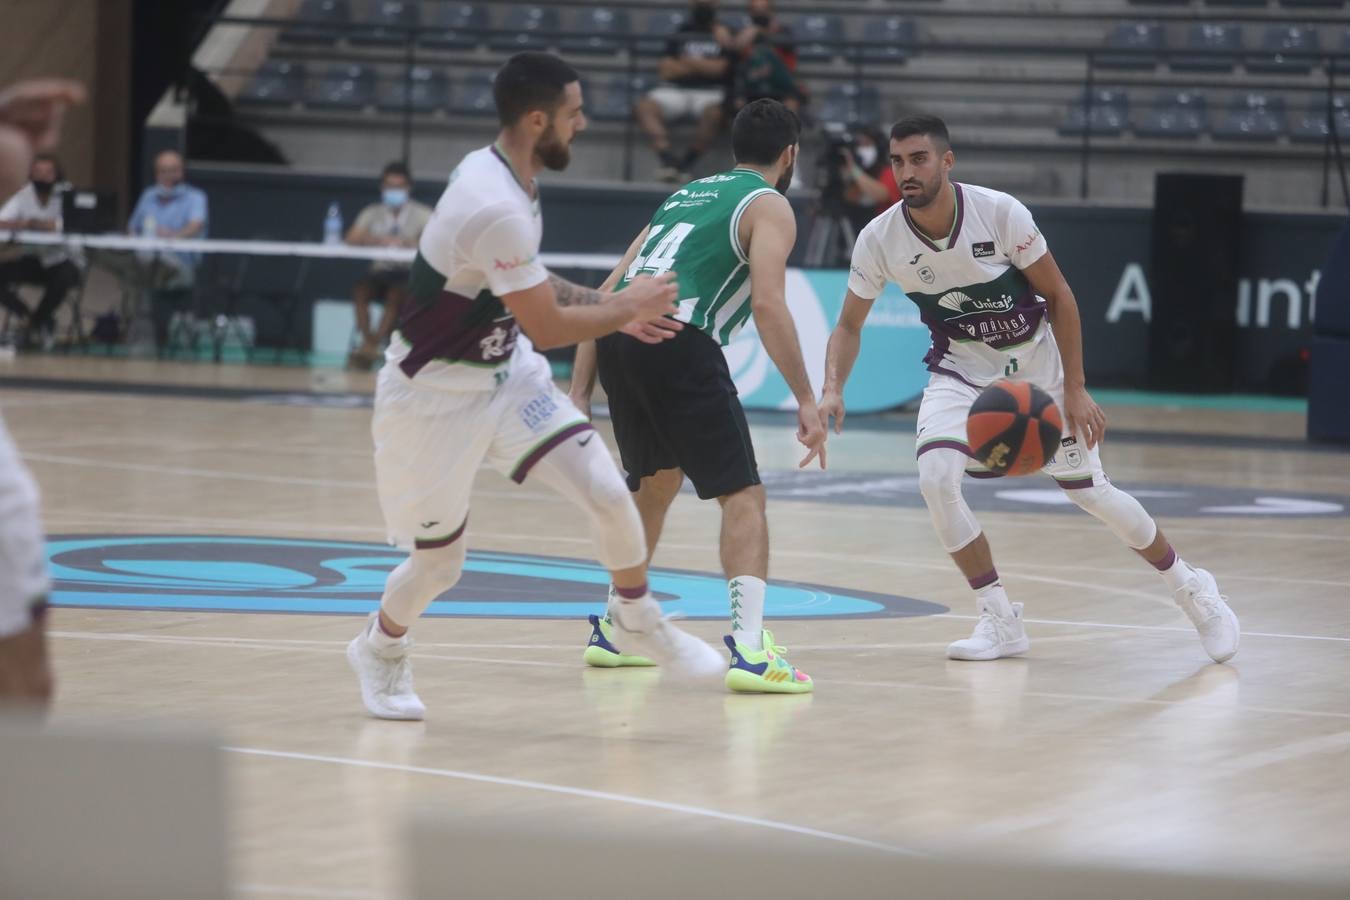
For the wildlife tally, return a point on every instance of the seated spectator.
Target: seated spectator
(762, 74)
(869, 180)
(765, 28)
(396, 221)
(37, 207)
(694, 73)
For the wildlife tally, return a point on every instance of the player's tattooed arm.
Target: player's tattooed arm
(570, 294)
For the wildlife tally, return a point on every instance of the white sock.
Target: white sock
(995, 599)
(746, 593)
(1177, 574)
(378, 638)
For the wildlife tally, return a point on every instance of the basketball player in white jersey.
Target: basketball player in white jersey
(462, 385)
(997, 305)
(31, 114)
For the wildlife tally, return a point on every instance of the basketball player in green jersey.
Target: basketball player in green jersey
(674, 406)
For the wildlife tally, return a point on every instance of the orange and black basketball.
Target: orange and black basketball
(1013, 428)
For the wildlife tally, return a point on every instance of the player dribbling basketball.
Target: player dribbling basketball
(997, 305)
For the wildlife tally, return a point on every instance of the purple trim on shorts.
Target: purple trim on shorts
(980, 582)
(1167, 561)
(982, 474)
(529, 462)
(942, 445)
(437, 543)
(1074, 484)
(636, 593)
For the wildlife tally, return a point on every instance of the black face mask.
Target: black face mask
(703, 14)
(762, 20)
(43, 187)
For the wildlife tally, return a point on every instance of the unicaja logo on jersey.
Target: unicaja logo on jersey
(956, 301)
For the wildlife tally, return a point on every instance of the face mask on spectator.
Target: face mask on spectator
(867, 156)
(703, 13)
(394, 197)
(168, 193)
(43, 187)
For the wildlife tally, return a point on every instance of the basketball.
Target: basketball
(1013, 428)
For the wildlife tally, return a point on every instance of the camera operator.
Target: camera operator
(868, 184)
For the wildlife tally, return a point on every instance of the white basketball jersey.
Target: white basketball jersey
(972, 295)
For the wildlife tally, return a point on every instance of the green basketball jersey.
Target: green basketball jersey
(694, 233)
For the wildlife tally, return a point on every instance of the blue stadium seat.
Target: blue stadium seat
(1319, 4)
(474, 97)
(430, 91)
(1219, 45)
(349, 86)
(849, 103)
(337, 12)
(1175, 115)
(891, 39)
(388, 22)
(597, 30)
(1311, 126)
(1108, 117)
(1145, 39)
(530, 27)
(276, 83)
(818, 37)
(1286, 50)
(657, 28)
(455, 26)
(614, 102)
(1253, 116)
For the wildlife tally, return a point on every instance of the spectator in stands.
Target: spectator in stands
(169, 208)
(396, 221)
(869, 181)
(765, 29)
(762, 74)
(37, 207)
(694, 73)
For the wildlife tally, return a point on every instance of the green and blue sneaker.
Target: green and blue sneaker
(764, 671)
(602, 653)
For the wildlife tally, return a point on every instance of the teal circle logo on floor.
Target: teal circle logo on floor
(281, 575)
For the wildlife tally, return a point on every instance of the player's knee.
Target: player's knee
(940, 474)
(441, 565)
(1120, 512)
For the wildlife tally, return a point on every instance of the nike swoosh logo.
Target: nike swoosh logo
(586, 440)
(430, 524)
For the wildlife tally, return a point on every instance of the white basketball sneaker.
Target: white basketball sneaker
(1200, 600)
(995, 636)
(386, 676)
(641, 630)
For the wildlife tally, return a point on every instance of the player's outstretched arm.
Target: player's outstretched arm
(769, 229)
(555, 312)
(841, 354)
(1081, 413)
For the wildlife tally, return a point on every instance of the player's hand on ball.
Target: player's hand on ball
(651, 296)
(654, 331)
(812, 433)
(832, 406)
(1083, 416)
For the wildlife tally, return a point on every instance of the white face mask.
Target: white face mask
(867, 156)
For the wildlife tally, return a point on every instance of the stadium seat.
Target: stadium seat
(657, 28)
(388, 22)
(1175, 115)
(474, 97)
(350, 86)
(338, 12)
(1286, 49)
(1253, 116)
(597, 30)
(1261, 3)
(614, 102)
(849, 103)
(276, 83)
(455, 26)
(1212, 46)
(530, 27)
(818, 37)
(1311, 126)
(430, 91)
(1108, 117)
(1315, 4)
(1144, 39)
(891, 39)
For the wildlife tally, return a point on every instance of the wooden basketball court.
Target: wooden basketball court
(1114, 739)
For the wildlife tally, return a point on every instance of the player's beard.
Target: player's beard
(551, 151)
(785, 180)
(927, 194)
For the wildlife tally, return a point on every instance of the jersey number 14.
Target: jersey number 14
(664, 245)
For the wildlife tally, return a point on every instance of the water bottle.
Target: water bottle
(332, 225)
